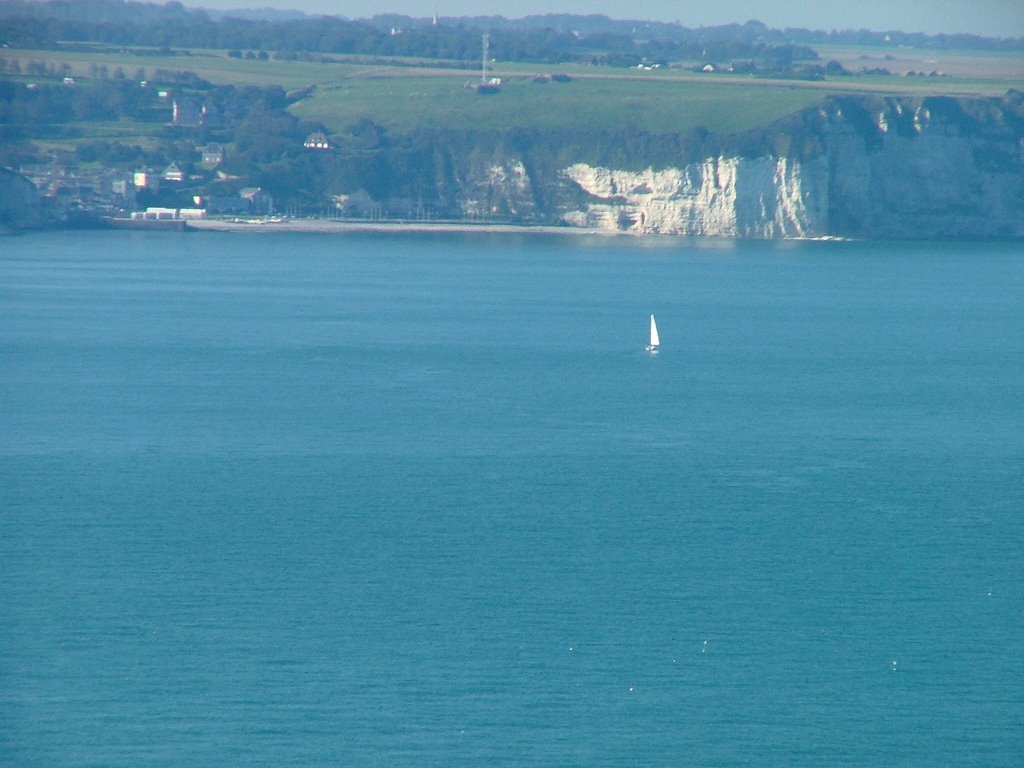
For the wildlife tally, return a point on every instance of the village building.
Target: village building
(316, 140)
(225, 204)
(186, 112)
(173, 173)
(155, 214)
(359, 204)
(145, 180)
(213, 154)
(260, 202)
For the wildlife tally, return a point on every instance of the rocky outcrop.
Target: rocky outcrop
(764, 197)
(504, 188)
(19, 203)
(855, 167)
(925, 171)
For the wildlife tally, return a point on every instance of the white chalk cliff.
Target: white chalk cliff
(764, 197)
(852, 167)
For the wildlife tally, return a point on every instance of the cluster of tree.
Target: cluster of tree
(100, 11)
(541, 38)
(234, 53)
(118, 96)
(23, 108)
(254, 120)
(896, 38)
(750, 31)
(51, 69)
(618, 43)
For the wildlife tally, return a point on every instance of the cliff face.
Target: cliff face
(764, 197)
(919, 173)
(19, 203)
(885, 168)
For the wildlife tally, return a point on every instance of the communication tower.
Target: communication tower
(487, 85)
(483, 69)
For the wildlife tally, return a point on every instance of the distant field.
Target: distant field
(403, 94)
(1001, 70)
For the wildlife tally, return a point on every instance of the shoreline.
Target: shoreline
(392, 226)
(419, 227)
(339, 226)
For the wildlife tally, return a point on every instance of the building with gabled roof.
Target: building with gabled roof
(316, 140)
(173, 173)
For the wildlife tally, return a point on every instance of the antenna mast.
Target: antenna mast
(483, 70)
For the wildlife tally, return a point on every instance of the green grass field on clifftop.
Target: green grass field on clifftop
(403, 94)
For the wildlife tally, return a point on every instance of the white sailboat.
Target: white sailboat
(655, 341)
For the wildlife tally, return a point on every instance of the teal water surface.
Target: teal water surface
(370, 500)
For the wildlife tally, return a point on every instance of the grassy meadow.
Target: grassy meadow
(402, 94)
(593, 102)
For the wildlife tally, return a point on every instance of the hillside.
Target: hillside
(811, 145)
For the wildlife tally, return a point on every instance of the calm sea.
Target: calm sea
(368, 500)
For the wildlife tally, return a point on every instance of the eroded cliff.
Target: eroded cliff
(766, 197)
(19, 203)
(855, 167)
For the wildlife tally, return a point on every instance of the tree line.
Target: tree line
(44, 25)
(553, 38)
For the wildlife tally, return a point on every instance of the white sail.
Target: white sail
(655, 341)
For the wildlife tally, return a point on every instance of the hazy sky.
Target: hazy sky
(1002, 18)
